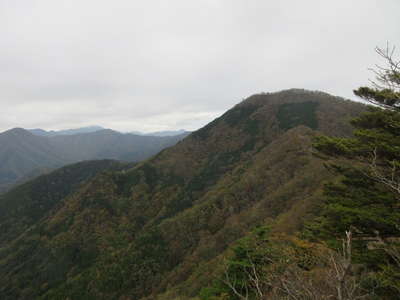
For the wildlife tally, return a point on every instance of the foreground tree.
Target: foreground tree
(367, 198)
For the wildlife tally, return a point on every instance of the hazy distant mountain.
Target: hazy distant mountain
(168, 133)
(162, 133)
(90, 129)
(110, 144)
(136, 132)
(23, 153)
(87, 129)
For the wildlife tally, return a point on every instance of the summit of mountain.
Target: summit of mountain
(17, 131)
(153, 230)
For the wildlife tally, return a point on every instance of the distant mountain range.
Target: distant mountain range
(43, 132)
(90, 129)
(27, 153)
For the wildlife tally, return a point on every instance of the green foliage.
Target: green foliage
(358, 202)
(235, 117)
(239, 114)
(389, 278)
(204, 132)
(294, 114)
(362, 202)
(215, 167)
(386, 97)
(259, 262)
(28, 203)
(253, 251)
(366, 199)
(376, 131)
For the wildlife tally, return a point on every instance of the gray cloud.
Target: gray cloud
(155, 65)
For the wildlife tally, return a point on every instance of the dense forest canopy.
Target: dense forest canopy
(261, 203)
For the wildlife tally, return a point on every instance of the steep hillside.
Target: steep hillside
(26, 204)
(24, 155)
(151, 232)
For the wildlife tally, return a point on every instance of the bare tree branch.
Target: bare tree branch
(387, 77)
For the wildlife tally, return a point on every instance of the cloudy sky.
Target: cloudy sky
(161, 65)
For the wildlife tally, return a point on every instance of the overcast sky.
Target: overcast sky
(161, 65)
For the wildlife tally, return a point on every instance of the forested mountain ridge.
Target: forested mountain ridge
(27, 203)
(23, 154)
(149, 232)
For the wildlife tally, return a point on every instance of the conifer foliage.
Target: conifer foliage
(386, 87)
(367, 198)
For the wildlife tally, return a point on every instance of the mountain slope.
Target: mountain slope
(26, 204)
(149, 232)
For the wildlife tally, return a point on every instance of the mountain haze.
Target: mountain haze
(109, 144)
(153, 231)
(23, 154)
(88, 129)
(163, 133)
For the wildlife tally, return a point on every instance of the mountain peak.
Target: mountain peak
(17, 132)
(291, 95)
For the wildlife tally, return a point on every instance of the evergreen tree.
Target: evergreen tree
(367, 198)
